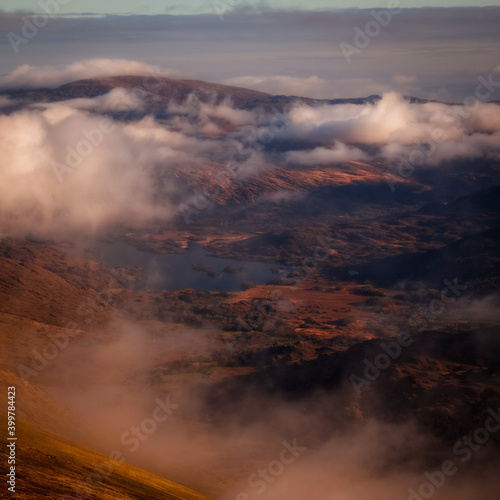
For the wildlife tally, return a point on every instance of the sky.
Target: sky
(432, 53)
(206, 6)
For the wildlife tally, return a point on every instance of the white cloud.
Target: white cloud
(66, 168)
(97, 179)
(27, 76)
(203, 112)
(390, 121)
(118, 99)
(324, 156)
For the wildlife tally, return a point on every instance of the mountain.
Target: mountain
(161, 90)
(351, 255)
(438, 378)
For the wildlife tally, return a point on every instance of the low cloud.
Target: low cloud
(70, 167)
(396, 128)
(323, 156)
(55, 180)
(116, 100)
(114, 376)
(27, 76)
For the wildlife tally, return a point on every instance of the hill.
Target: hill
(49, 466)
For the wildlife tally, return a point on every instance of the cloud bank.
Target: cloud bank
(83, 165)
(113, 378)
(29, 77)
(398, 129)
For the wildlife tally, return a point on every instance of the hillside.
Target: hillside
(310, 250)
(161, 90)
(50, 466)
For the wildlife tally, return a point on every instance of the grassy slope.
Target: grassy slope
(48, 466)
(40, 290)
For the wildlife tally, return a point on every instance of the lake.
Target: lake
(174, 272)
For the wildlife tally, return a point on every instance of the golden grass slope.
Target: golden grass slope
(48, 466)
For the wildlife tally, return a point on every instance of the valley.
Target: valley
(192, 309)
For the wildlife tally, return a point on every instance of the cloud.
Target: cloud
(483, 310)
(323, 156)
(27, 76)
(336, 451)
(118, 99)
(223, 8)
(69, 167)
(369, 124)
(203, 112)
(66, 172)
(397, 128)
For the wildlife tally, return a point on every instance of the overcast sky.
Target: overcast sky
(437, 53)
(205, 6)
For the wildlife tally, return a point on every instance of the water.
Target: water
(174, 272)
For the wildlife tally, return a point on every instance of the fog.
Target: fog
(51, 185)
(176, 400)
(114, 378)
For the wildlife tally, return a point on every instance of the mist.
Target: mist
(269, 447)
(251, 251)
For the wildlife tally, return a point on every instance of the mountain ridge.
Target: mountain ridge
(179, 89)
